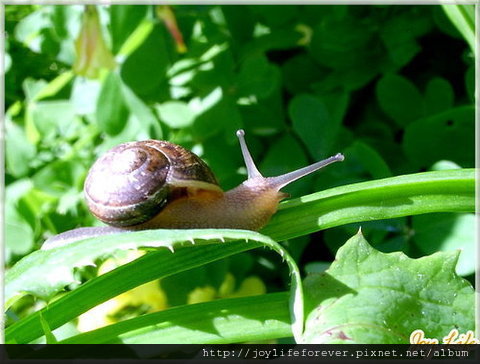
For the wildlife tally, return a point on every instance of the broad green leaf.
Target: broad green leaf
(439, 96)
(215, 113)
(112, 113)
(18, 150)
(58, 177)
(364, 155)
(369, 297)
(54, 117)
(18, 233)
(220, 321)
(402, 45)
(313, 122)
(334, 42)
(176, 114)
(447, 232)
(145, 68)
(449, 135)
(257, 77)
(399, 98)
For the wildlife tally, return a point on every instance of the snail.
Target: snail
(155, 184)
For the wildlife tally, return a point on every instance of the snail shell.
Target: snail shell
(133, 181)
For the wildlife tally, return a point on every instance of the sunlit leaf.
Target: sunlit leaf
(368, 297)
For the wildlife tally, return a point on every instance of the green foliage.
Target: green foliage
(391, 87)
(367, 297)
(201, 323)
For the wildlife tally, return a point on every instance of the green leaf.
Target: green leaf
(360, 153)
(447, 232)
(53, 117)
(463, 17)
(29, 29)
(399, 34)
(176, 114)
(55, 265)
(58, 177)
(277, 162)
(314, 124)
(215, 113)
(399, 98)
(300, 72)
(335, 40)
(146, 118)
(112, 113)
(449, 135)
(18, 150)
(124, 19)
(51, 339)
(257, 77)
(387, 198)
(263, 118)
(369, 297)
(18, 233)
(439, 96)
(240, 22)
(219, 321)
(420, 193)
(145, 68)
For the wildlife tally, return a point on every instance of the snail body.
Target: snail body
(156, 184)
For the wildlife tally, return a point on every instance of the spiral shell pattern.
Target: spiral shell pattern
(132, 182)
